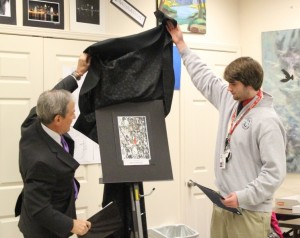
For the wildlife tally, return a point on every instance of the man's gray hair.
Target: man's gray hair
(51, 103)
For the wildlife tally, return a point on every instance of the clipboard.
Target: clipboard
(216, 198)
(105, 222)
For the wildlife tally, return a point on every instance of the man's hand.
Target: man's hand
(231, 201)
(81, 227)
(83, 64)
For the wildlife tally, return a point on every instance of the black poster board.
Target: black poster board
(133, 142)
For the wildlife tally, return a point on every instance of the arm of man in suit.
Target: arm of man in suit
(68, 83)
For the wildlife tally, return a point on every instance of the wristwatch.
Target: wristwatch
(76, 75)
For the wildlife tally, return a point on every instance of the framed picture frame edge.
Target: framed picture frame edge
(85, 26)
(10, 19)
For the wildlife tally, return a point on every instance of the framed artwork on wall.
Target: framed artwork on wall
(280, 59)
(189, 14)
(47, 14)
(8, 12)
(87, 16)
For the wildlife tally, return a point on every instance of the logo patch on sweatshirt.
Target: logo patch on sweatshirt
(246, 123)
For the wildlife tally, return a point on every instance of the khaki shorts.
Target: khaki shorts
(225, 224)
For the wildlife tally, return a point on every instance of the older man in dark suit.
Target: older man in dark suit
(47, 203)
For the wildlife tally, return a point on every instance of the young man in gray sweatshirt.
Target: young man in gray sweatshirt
(250, 158)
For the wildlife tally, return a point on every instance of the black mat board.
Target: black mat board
(113, 168)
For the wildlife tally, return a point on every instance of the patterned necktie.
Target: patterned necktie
(66, 148)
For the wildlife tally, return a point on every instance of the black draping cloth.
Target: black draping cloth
(105, 222)
(134, 68)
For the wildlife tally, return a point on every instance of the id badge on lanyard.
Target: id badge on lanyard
(227, 154)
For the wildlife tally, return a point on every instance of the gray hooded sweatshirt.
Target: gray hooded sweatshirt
(258, 163)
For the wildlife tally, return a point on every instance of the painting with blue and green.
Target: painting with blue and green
(190, 14)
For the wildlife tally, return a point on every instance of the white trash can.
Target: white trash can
(172, 231)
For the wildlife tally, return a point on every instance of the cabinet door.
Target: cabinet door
(21, 82)
(61, 57)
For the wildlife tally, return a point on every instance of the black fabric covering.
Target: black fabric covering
(105, 222)
(134, 68)
(161, 17)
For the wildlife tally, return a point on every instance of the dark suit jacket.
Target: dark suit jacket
(47, 203)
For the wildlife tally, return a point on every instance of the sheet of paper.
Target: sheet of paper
(86, 151)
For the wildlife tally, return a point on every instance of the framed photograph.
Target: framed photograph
(189, 14)
(87, 16)
(47, 14)
(8, 12)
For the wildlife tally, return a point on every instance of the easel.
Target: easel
(136, 211)
(115, 170)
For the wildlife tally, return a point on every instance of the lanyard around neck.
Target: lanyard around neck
(234, 124)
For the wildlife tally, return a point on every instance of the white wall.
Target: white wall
(261, 16)
(120, 24)
(257, 16)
